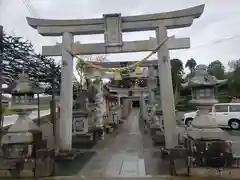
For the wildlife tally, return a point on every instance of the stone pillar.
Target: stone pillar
(119, 106)
(151, 84)
(99, 102)
(144, 108)
(141, 104)
(66, 95)
(125, 108)
(166, 89)
(118, 100)
(104, 105)
(130, 105)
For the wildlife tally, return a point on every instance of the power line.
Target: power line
(211, 43)
(0, 3)
(30, 8)
(217, 41)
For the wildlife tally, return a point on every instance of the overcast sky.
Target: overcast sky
(211, 34)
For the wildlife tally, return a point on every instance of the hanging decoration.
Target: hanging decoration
(118, 70)
(118, 76)
(138, 70)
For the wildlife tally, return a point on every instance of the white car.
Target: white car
(189, 117)
(226, 115)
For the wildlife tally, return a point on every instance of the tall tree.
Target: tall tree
(234, 81)
(191, 64)
(177, 73)
(217, 69)
(19, 55)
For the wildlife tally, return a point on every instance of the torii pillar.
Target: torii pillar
(66, 95)
(166, 90)
(112, 26)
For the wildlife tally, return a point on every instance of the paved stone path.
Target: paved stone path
(125, 153)
(123, 157)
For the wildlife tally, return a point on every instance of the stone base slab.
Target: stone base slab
(157, 135)
(83, 138)
(65, 155)
(214, 173)
(22, 174)
(41, 166)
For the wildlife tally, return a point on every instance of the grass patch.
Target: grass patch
(9, 112)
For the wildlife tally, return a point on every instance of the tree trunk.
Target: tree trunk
(176, 90)
(176, 94)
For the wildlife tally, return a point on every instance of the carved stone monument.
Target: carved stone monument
(112, 26)
(152, 82)
(80, 114)
(98, 85)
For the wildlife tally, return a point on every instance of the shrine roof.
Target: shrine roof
(194, 12)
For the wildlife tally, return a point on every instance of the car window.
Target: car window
(221, 108)
(235, 108)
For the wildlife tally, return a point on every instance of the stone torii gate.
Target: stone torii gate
(112, 26)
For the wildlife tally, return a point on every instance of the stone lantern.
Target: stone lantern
(22, 102)
(203, 88)
(22, 143)
(22, 92)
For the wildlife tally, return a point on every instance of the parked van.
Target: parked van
(226, 115)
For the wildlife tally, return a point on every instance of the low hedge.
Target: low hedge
(186, 107)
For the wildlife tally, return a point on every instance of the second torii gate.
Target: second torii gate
(112, 26)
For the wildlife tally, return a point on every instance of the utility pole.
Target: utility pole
(1, 70)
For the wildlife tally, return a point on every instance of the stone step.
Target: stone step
(112, 178)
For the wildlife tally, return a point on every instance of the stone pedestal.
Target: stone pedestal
(204, 126)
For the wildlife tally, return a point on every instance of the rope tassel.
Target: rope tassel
(118, 76)
(138, 70)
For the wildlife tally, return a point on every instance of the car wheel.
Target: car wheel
(188, 121)
(234, 124)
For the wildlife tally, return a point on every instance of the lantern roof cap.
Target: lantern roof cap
(23, 86)
(202, 78)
